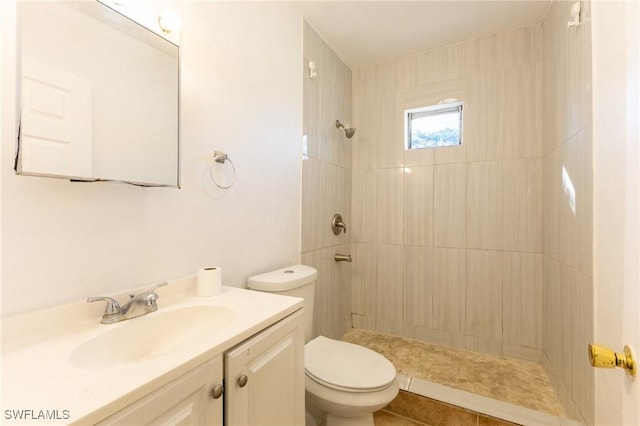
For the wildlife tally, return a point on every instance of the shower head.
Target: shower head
(348, 131)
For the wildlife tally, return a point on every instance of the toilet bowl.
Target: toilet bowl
(344, 383)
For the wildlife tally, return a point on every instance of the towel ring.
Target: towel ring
(221, 157)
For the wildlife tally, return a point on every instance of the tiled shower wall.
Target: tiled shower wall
(326, 182)
(447, 242)
(568, 212)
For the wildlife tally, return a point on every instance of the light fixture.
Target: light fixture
(169, 21)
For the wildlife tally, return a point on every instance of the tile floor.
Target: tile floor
(511, 380)
(409, 409)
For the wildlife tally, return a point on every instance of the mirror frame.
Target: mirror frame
(140, 16)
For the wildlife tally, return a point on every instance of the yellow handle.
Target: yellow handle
(603, 357)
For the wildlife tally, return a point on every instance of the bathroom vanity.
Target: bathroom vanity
(234, 359)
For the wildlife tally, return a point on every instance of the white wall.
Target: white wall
(242, 94)
(616, 94)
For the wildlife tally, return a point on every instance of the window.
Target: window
(434, 126)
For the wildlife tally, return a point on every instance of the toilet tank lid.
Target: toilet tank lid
(283, 279)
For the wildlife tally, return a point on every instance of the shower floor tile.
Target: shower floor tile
(511, 380)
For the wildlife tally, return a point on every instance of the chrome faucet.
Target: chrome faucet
(137, 305)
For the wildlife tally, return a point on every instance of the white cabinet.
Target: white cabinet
(264, 377)
(263, 386)
(187, 401)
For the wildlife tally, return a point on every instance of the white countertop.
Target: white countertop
(37, 373)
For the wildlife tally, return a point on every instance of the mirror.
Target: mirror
(99, 96)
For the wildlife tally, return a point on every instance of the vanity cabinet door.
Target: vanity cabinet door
(186, 401)
(265, 377)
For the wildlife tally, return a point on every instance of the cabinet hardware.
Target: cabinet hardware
(242, 380)
(217, 391)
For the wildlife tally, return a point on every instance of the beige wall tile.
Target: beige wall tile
(363, 206)
(418, 206)
(484, 205)
(418, 157)
(450, 154)
(326, 184)
(390, 205)
(522, 205)
(522, 92)
(553, 330)
(556, 54)
(311, 199)
(409, 74)
(485, 53)
(363, 322)
(333, 294)
(338, 191)
(522, 352)
(578, 87)
(435, 336)
(366, 119)
(585, 203)
(391, 142)
(363, 278)
(522, 278)
(389, 279)
(583, 383)
(386, 326)
(485, 118)
(458, 199)
(449, 214)
(328, 201)
(553, 195)
(568, 285)
(568, 225)
(567, 231)
(314, 259)
(311, 149)
(449, 290)
(418, 285)
(484, 345)
(484, 294)
(453, 56)
(429, 67)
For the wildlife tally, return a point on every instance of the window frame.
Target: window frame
(433, 110)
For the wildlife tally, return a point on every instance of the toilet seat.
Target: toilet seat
(347, 367)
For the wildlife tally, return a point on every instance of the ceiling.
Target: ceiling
(364, 33)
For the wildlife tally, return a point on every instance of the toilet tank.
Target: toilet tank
(296, 281)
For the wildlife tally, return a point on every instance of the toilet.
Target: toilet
(344, 383)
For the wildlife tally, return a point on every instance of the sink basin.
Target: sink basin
(150, 336)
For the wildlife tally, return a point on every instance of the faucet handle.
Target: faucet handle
(150, 296)
(113, 307)
(162, 284)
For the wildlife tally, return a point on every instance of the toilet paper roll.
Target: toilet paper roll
(209, 281)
